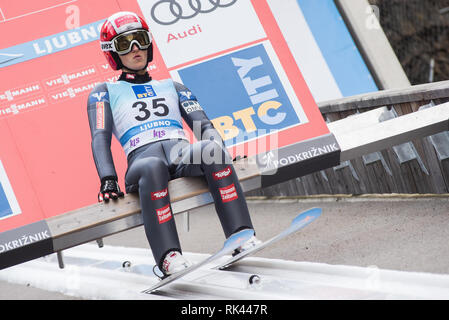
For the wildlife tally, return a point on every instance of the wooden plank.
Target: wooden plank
(430, 159)
(345, 180)
(379, 180)
(422, 92)
(407, 175)
(317, 184)
(393, 132)
(248, 171)
(101, 213)
(359, 167)
(435, 169)
(356, 122)
(445, 170)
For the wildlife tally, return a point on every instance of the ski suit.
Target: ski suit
(145, 116)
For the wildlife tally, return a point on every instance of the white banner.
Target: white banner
(187, 30)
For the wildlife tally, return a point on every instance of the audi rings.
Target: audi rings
(176, 11)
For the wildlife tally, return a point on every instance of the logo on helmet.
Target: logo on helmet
(106, 46)
(120, 21)
(115, 25)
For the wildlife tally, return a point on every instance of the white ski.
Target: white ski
(302, 220)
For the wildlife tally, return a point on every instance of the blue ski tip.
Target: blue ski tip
(238, 238)
(307, 217)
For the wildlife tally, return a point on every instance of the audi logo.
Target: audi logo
(167, 12)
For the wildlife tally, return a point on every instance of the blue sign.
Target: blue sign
(241, 93)
(51, 44)
(156, 124)
(143, 91)
(337, 46)
(5, 208)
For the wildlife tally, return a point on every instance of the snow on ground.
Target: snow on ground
(99, 273)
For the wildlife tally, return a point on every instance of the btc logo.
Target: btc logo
(227, 129)
(143, 91)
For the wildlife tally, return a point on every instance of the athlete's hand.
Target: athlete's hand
(109, 190)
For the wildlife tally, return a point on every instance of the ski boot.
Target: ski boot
(252, 242)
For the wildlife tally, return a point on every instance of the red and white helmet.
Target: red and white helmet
(118, 34)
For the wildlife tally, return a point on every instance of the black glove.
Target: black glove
(109, 189)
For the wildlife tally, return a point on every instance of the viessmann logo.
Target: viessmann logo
(167, 12)
(51, 44)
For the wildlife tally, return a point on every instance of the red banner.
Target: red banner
(50, 59)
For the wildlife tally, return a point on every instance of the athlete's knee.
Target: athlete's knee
(213, 153)
(153, 170)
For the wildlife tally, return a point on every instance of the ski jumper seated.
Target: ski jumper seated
(145, 115)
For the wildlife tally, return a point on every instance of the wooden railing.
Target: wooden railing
(418, 166)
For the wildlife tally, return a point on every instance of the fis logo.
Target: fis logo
(143, 91)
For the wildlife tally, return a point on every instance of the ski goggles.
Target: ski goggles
(123, 43)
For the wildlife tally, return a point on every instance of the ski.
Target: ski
(302, 220)
(232, 243)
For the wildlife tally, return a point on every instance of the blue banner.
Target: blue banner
(241, 93)
(148, 126)
(51, 44)
(337, 46)
(5, 208)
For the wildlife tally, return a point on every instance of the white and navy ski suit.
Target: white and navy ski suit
(145, 116)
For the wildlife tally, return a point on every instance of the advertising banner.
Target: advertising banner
(231, 53)
(8, 201)
(49, 61)
(323, 48)
(234, 58)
